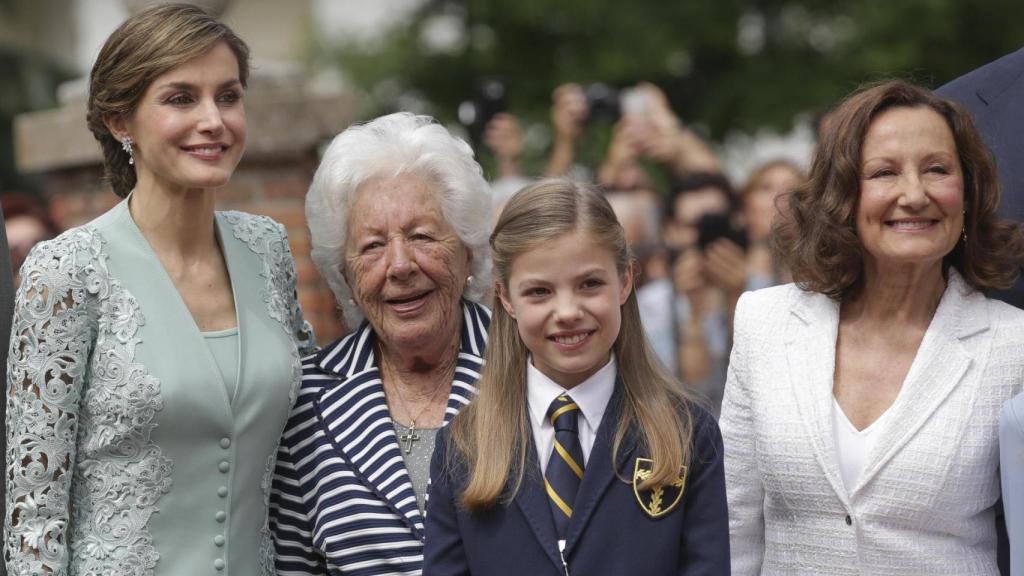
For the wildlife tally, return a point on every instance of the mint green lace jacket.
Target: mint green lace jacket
(125, 454)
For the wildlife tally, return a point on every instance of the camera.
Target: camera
(489, 98)
(602, 102)
(716, 225)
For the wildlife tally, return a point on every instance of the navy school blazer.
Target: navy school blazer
(609, 534)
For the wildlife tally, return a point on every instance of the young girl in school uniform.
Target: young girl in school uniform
(580, 455)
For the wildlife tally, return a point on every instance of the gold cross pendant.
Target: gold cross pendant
(410, 437)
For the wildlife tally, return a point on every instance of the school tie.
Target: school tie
(565, 466)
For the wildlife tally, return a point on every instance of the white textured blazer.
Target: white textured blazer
(924, 503)
(1011, 464)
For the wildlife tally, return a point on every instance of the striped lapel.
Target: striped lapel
(355, 417)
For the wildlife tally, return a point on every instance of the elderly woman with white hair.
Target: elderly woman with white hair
(399, 215)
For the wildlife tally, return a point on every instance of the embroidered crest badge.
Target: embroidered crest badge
(658, 501)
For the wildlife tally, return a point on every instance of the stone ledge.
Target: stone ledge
(282, 122)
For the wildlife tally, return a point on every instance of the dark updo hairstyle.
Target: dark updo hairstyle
(816, 235)
(148, 44)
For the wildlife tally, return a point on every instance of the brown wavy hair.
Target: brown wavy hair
(143, 47)
(492, 435)
(816, 235)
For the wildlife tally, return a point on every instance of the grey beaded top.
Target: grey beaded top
(417, 461)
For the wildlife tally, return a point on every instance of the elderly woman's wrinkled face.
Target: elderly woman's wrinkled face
(406, 265)
(911, 188)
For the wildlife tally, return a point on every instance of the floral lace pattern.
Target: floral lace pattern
(268, 239)
(73, 319)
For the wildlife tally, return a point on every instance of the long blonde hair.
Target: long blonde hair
(491, 436)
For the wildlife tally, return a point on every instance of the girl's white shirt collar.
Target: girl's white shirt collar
(592, 396)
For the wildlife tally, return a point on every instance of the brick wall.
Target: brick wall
(272, 188)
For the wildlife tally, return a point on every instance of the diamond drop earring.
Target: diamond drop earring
(126, 145)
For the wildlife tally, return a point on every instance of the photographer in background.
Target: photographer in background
(569, 113)
(709, 274)
(503, 136)
(650, 129)
(640, 217)
(645, 127)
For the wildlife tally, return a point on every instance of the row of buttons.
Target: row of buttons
(222, 491)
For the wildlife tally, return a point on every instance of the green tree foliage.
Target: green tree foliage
(732, 64)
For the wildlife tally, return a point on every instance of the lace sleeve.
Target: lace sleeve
(51, 338)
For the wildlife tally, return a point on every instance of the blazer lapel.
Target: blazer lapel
(239, 261)
(533, 502)
(164, 308)
(811, 357)
(475, 321)
(356, 420)
(939, 367)
(1003, 74)
(600, 470)
(355, 417)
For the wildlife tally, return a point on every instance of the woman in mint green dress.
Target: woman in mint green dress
(155, 349)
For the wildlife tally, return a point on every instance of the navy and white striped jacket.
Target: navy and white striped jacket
(341, 501)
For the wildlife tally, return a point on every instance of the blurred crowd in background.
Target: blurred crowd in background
(700, 239)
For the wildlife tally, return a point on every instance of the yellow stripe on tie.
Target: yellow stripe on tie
(557, 500)
(562, 410)
(568, 459)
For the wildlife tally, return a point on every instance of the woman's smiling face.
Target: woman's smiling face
(910, 209)
(189, 128)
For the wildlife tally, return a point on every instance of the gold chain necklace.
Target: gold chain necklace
(411, 436)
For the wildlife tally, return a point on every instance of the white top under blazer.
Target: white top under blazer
(924, 501)
(852, 445)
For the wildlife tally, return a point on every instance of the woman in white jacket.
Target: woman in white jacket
(862, 405)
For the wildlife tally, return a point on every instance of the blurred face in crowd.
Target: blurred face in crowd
(688, 208)
(638, 215)
(911, 189)
(759, 201)
(23, 232)
(189, 128)
(404, 261)
(566, 296)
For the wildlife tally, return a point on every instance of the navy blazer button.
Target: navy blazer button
(849, 521)
(218, 564)
(224, 466)
(222, 491)
(220, 516)
(225, 443)
(218, 540)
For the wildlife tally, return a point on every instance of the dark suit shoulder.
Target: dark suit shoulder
(990, 80)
